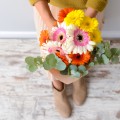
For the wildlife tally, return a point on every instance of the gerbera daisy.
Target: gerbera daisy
(74, 17)
(59, 33)
(78, 42)
(44, 37)
(49, 47)
(89, 24)
(96, 36)
(78, 59)
(62, 57)
(62, 14)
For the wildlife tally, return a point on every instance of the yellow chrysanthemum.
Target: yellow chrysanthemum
(89, 24)
(74, 17)
(96, 36)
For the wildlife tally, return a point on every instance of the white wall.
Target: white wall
(112, 20)
(16, 19)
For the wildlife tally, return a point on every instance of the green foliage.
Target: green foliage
(33, 63)
(91, 64)
(103, 54)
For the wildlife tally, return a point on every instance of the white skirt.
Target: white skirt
(40, 25)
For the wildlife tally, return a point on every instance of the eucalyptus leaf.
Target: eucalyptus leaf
(85, 73)
(29, 60)
(82, 68)
(32, 68)
(105, 59)
(115, 59)
(100, 46)
(75, 74)
(107, 45)
(47, 66)
(108, 53)
(60, 65)
(115, 51)
(39, 60)
(51, 60)
(91, 64)
(73, 67)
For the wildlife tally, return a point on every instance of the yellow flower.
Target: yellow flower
(96, 36)
(89, 24)
(74, 17)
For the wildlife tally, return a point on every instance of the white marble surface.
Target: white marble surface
(28, 96)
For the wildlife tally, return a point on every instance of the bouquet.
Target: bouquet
(73, 46)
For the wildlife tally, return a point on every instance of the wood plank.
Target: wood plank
(28, 96)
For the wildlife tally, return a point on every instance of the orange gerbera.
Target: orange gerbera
(44, 36)
(63, 13)
(62, 57)
(78, 59)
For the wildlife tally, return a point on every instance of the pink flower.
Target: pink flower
(81, 38)
(59, 34)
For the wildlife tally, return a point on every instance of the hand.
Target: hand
(51, 23)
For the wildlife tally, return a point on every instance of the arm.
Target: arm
(45, 13)
(90, 12)
(95, 6)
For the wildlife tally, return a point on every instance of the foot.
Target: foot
(61, 102)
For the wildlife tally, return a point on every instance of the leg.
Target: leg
(79, 91)
(61, 100)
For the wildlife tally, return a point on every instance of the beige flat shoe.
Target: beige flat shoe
(79, 91)
(61, 102)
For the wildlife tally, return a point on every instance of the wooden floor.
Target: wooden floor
(28, 96)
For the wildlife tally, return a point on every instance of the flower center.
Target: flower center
(78, 56)
(79, 37)
(61, 37)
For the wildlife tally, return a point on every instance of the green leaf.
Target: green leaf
(60, 65)
(108, 53)
(32, 68)
(82, 68)
(100, 46)
(51, 60)
(115, 51)
(115, 59)
(75, 73)
(99, 60)
(29, 60)
(39, 60)
(85, 73)
(46, 66)
(105, 59)
(91, 64)
(73, 67)
(107, 45)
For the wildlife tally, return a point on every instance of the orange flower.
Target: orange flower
(63, 13)
(62, 57)
(78, 59)
(44, 36)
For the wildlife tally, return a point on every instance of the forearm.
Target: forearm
(90, 12)
(45, 13)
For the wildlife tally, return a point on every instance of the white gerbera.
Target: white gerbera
(49, 47)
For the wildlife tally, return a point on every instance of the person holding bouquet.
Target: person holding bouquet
(45, 18)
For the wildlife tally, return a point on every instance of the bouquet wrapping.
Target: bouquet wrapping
(72, 47)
